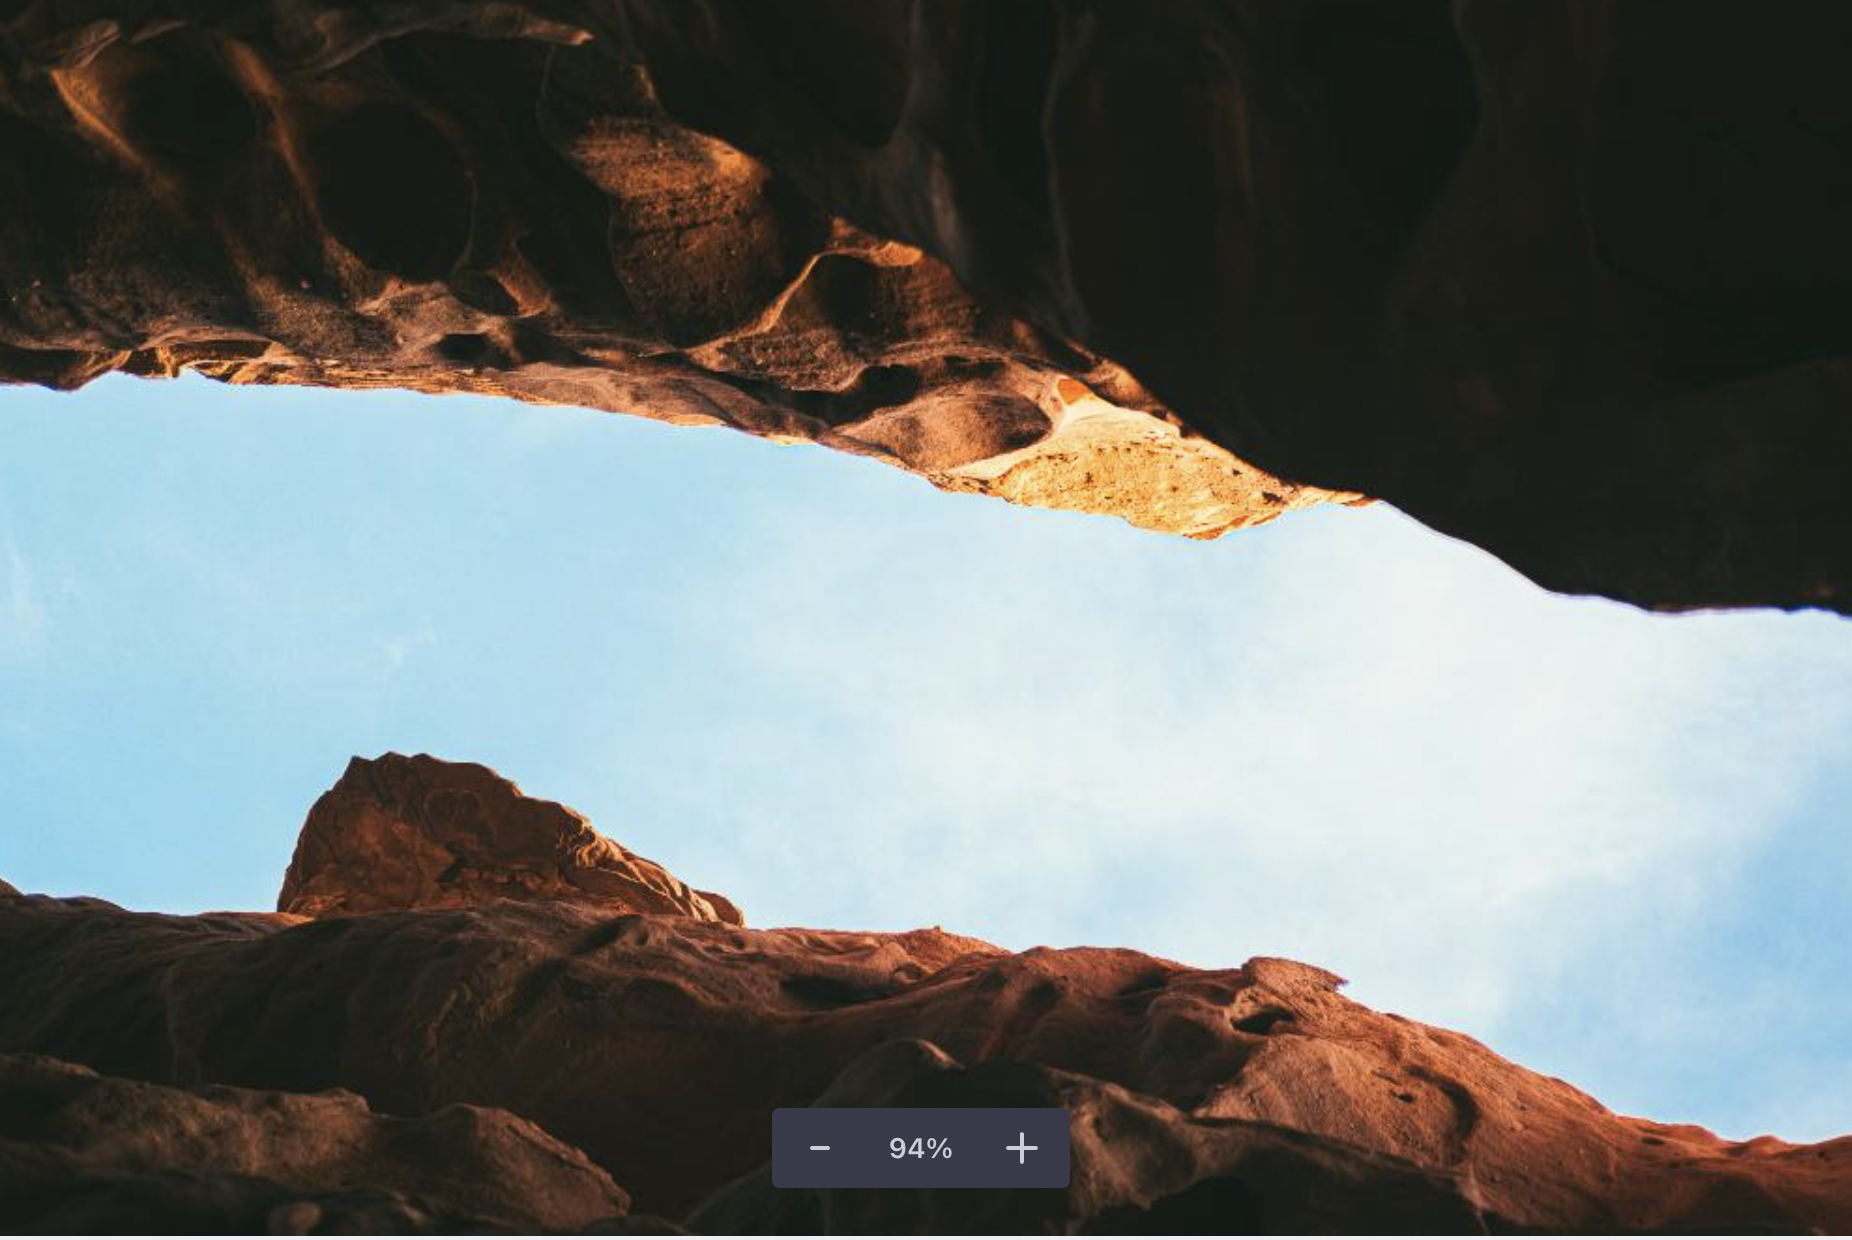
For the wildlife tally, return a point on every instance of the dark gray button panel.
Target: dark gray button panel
(919, 1147)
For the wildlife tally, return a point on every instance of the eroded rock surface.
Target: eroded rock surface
(1137, 1165)
(506, 1049)
(1566, 280)
(659, 1045)
(398, 832)
(496, 202)
(82, 1152)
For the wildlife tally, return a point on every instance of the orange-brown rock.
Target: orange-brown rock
(397, 832)
(292, 192)
(81, 1152)
(1566, 280)
(659, 1045)
(1137, 1165)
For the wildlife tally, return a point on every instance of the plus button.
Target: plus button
(1021, 1148)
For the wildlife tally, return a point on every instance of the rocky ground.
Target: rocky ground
(500, 1020)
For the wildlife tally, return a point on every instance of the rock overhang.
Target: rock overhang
(1474, 260)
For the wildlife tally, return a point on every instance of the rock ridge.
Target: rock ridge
(399, 832)
(659, 1045)
(512, 1042)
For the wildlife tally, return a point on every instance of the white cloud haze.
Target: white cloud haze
(1382, 752)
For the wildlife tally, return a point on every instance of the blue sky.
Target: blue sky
(1612, 845)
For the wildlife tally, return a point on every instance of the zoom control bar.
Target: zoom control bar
(920, 1147)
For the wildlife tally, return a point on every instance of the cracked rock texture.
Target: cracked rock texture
(659, 1043)
(398, 832)
(1567, 280)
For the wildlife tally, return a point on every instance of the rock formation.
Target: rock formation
(1184, 1174)
(658, 1044)
(82, 1152)
(1566, 280)
(293, 193)
(400, 832)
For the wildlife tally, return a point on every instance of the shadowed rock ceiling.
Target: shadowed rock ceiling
(1568, 281)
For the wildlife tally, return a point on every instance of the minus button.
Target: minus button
(819, 1147)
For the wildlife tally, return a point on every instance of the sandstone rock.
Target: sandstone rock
(79, 1151)
(7, 889)
(1554, 279)
(660, 1045)
(398, 832)
(1538, 274)
(1138, 1165)
(1544, 276)
(498, 203)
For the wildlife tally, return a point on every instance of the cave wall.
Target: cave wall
(1568, 281)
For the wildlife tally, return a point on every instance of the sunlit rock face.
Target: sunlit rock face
(398, 832)
(1566, 280)
(1208, 1099)
(645, 1052)
(495, 201)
